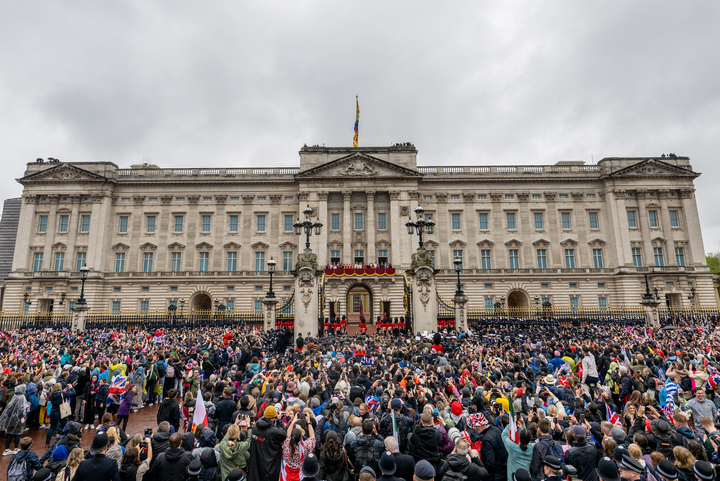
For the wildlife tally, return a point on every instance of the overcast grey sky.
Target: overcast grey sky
(248, 83)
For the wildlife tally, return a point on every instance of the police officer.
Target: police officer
(552, 468)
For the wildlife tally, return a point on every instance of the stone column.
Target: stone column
(347, 229)
(617, 218)
(73, 229)
(397, 224)
(692, 224)
(666, 228)
(50, 236)
(371, 254)
(645, 228)
(323, 215)
(652, 318)
(461, 314)
(424, 300)
(269, 312)
(307, 284)
(78, 318)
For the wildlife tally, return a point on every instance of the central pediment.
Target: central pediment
(358, 166)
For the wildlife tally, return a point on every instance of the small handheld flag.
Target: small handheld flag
(200, 415)
(612, 416)
(514, 437)
(357, 121)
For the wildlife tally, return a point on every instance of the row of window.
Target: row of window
(659, 256)
(64, 224)
(653, 219)
(228, 303)
(538, 221)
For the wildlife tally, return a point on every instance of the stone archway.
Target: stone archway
(359, 300)
(518, 299)
(201, 301)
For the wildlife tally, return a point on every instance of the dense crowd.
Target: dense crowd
(502, 403)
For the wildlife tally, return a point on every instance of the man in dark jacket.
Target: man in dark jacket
(172, 464)
(224, 410)
(160, 439)
(266, 447)
(458, 462)
(581, 454)
(404, 463)
(369, 439)
(492, 451)
(540, 450)
(170, 410)
(99, 466)
(426, 439)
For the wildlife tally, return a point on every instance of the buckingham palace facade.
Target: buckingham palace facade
(570, 234)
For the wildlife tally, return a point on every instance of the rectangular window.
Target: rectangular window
(144, 306)
(261, 223)
(538, 217)
(565, 220)
(629, 194)
(288, 223)
(542, 259)
(64, 221)
(454, 197)
(173, 289)
(85, 223)
(570, 258)
(287, 288)
(152, 199)
(287, 261)
(116, 306)
(483, 221)
(632, 221)
(458, 254)
(176, 262)
(488, 303)
(334, 221)
(597, 258)
(289, 198)
(680, 256)
(230, 288)
(150, 224)
(234, 199)
(120, 262)
(602, 302)
(206, 223)
(514, 259)
(59, 261)
(178, 223)
(563, 196)
(590, 196)
(207, 199)
(637, 256)
(117, 289)
(230, 306)
(258, 306)
(204, 261)
(573, 285)
(359, 221)
(258, 288)
(652, 216)
(509, 197)
(80, 260)
(669, 284)
(593, 220)
(180, 199)
(382, 221)
(485, 259)
(432, 254)
(259, 261)
(232, 261)
(511, 220)
(536, 196)
(659, 257)
(544, 300)
(574, 303)
(37, 262)
(488, 286)
(262, 199)
(359, 257)
(545, 286)
(234, 223)
(455, 221)
(335, 257)
(674, 219)
(427, 197)
(601, 285)
(123, 224)
(42, 224)
(482, 197)
(382, 256)
(147, 262)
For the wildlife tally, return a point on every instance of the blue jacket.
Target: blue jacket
(32, 462)
(57, 399)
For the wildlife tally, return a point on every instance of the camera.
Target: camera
(148, 433)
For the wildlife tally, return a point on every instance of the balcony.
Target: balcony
(359, 272)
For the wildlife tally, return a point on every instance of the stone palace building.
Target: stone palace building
(570, 234)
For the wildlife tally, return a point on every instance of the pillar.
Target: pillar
(424, 299)
(371, 254)
(667, 230)
(269, 312)
(692, 224)
(78, 318)
(307, 308)
(347, 229)
(323, 258)
(396, 224)
(461, 314)
(645, 228)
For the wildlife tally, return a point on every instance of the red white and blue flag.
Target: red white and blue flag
(668, 408)
(612, 416)
(116, 389)
(357, 121)
(371, 402)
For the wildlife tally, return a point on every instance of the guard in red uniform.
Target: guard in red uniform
(327, 326)
(363, 326)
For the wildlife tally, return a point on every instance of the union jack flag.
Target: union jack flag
(612, 416)
(371, 402)
(116, 389)
(159, 339)
(667, 409)
(713, 381)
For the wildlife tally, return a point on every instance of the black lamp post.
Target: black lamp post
(647, 296)
(457, 263)
(271, 269)
(537, 305)
(84, 270)
(691, 297)
(420, 225)
(182, 306)
(62, 298)
(26, 297)
(307, 225)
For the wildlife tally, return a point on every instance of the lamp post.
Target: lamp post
(691, 297)
(537, 306)
(650, 303)
(308, 226)
(84, 270)
(182, 306)
(271, 269)
(457, 263)
(420, 225)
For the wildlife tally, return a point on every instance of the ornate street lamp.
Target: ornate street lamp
(307, 225)
(271, 269)
(420, 225)
(84, 270)
(691, 297)
(457, 263)
(182, 306)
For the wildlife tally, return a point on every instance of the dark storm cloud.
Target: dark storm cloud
(213, 83)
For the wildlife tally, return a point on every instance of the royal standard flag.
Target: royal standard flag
(357, 121)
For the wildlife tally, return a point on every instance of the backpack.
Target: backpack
(402, 435)
(17, 471)
(364, 456)
(635, 384)
(161, 370)
(152, 376)
(356, 392)
(170, 371)
(665, 447)
(452, 475)
(553, 450)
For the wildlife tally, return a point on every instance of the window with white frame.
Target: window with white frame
(64, 223)
(123, 224)
(653, 218)
(602, 302)
(37, 261)
(514, 259)
(150, 224)
(483, 221)
(574, 303)
(287, 261)
(59, 261)
(598, 258)
(234, 223)
(206, 223)
(85, 224)
(120, 262)
(538, 218)
(80, 259)
(176, 262)
(288, 224)
(570, 258)
(680, 256)
(485, 260)
(510, 216)
(260, 261)
(565, 216)
(335, 256)
(260, 223)
(147, 262)
(459, 255)
(204, 262)
(542, 258)
(382, 256)
(455, 218)
(359, 221)
(382, 221)
(632, 219)
(637, 257)
(359, 257)
(334, 221)
(232, 261)
(674, 222)
(593, 217)
(178, 223)
(42, 224)
(659, 256)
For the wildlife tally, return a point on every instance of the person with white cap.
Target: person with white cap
(630, 469)
(607, 470)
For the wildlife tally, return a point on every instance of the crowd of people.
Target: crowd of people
(501, 403)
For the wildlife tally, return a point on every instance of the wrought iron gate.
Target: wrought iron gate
(407, 304)
(285, 312)
(446, 311)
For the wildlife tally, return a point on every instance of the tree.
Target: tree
(713, 262)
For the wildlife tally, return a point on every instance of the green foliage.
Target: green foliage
(713, 262)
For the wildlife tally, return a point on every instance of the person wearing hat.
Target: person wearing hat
(582, 453)
(235, 475)
(630, 468)
(552, 467)
(459, 462)
(703, 471)
(403, 423)
(387, 467)
(99, 466)
(666, 470)
(310, 467)
(43, 474)
(521, 475)
(266, 447)
(194, 470)
(607, 470)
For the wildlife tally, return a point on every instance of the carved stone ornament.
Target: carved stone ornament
(686, 193)
(495, 196)
(248, 198)
(404, 210)
(138, 199)
(394, 195)
(414, 195)
(578, 196)
(307, 259)
(166, 199)
(220, 199)
(421, 258)
(441, 197)
(306, 279)
(550, 195)
(306, 294)
(303, 196)
(193, 199)
(425, 287)
(358, 168)
(275, 199)
(523, 196)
